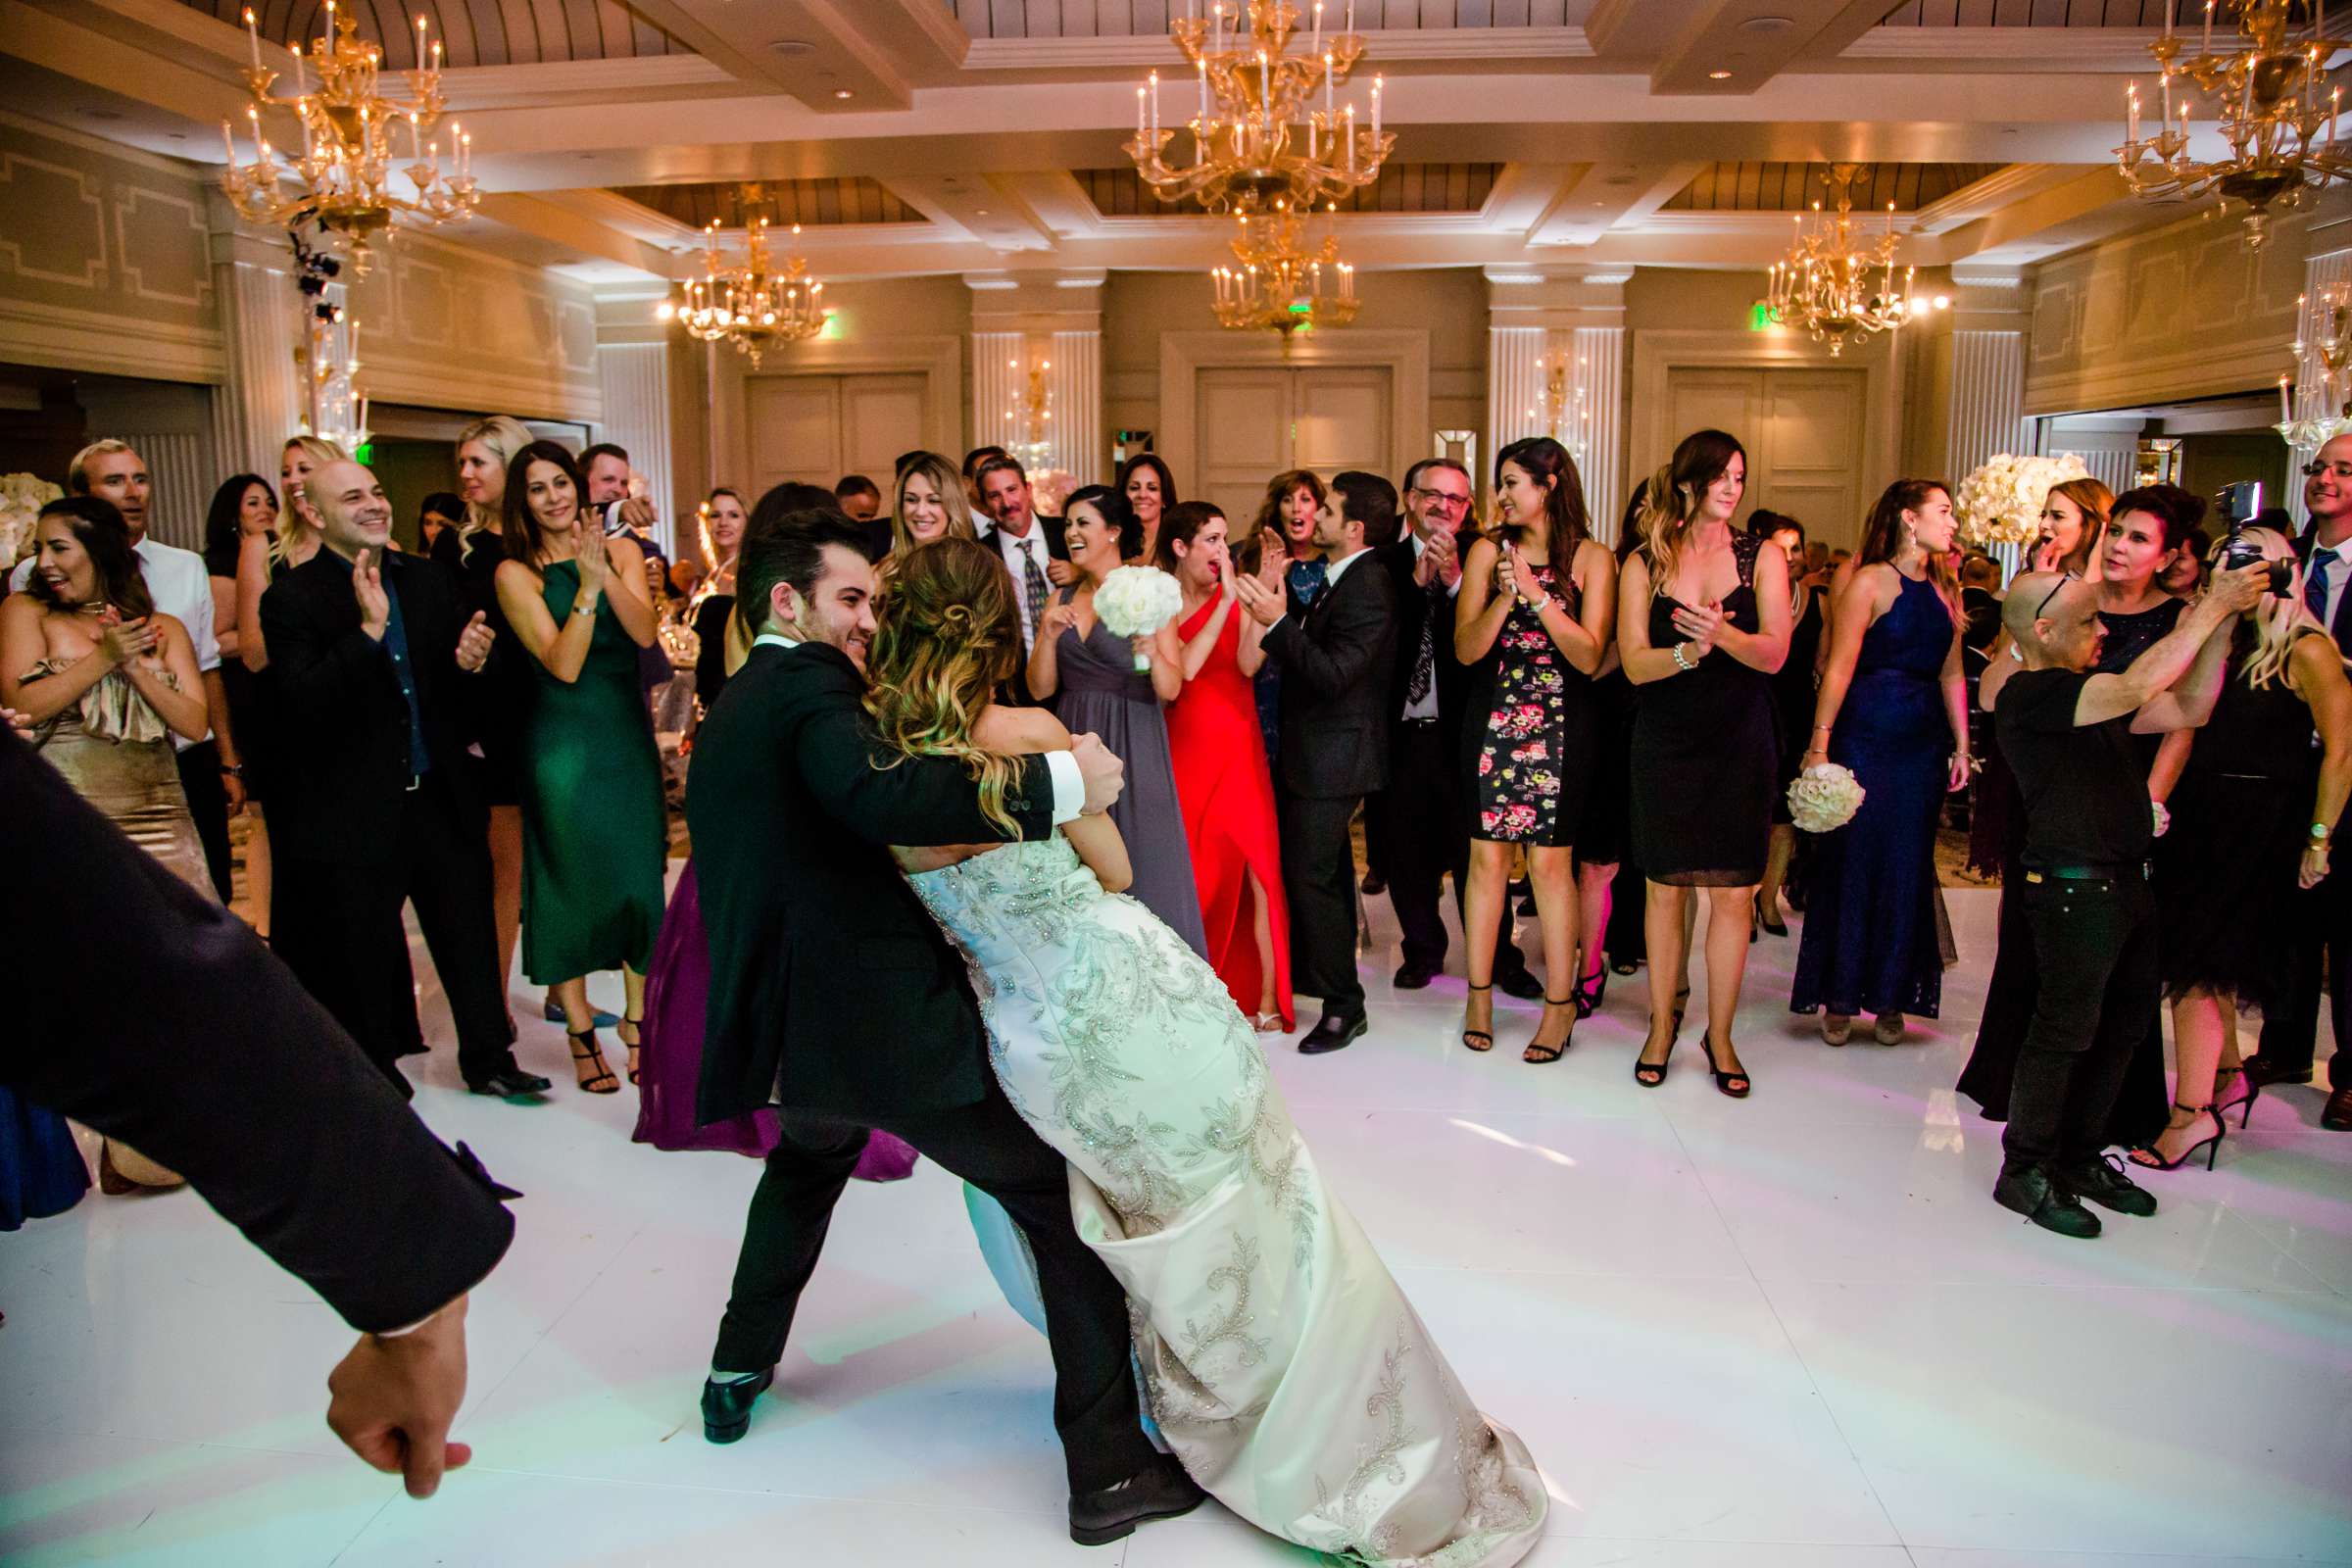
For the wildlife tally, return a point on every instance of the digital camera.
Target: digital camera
(2238, 503)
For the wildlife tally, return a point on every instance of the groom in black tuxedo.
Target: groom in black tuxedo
(1337, 657)
(792, 823)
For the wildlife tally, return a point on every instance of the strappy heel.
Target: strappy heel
(1651, 1074)
(1725, 1078)
(1589, 992)
(2147, 1158)
(1469, 1034)
(1682, 1005)
(603, 1081)
(635, 1026)
(2253, 1093)
(1538, 1054)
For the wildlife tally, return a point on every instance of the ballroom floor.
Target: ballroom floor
(1793, 1331)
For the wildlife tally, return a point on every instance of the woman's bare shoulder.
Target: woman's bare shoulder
(1019, 731)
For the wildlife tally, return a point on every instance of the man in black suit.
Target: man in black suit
(1419, 818)
(1036, 552)
(1337, 660)
(371, 659)
(284, 1128)
(792, 822)
(2323, 912)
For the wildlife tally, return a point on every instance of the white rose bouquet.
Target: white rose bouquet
(1135, 599)
(2000, 503)
(1824, 798)
(21, 498)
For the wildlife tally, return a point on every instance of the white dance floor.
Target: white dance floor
(1794, 1331)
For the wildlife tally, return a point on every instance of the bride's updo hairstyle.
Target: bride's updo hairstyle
(950, 634)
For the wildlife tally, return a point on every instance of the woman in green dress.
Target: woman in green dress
(594, 836)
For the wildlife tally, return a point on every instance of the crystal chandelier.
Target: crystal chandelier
(2282, 137)
(2324, 330)
(1258, 135)
(1825, 283)
(1281, 284)
(345, 180)
(1031, 414)
(750, 306)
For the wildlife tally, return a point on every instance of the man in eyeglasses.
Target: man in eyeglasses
(2323, 922)
(2067, 729)
(1414, 830)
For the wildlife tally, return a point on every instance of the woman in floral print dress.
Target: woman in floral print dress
(1284, 1368)
(1534, 619)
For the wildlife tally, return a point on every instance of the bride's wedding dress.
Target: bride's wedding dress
(1284, 1365)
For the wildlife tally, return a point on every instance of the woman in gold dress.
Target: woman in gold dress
(107, 681)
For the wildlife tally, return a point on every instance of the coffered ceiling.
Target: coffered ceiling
(984, 136)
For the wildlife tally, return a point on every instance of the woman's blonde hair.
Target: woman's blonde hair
(712, 559)
(292, 527)
(504, 435)
(2280, 624)
(1670, 504)
(946, 481)
(950, 634)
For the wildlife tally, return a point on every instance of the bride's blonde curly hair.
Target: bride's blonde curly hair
(950, 633)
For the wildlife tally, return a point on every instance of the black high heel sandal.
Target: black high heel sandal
(1722, 1079)
(1538, 1054)
(1682, 1005)
(603, 1081)
(635, 1026)
(2253, 1093)
(1651, 1074)
(1778, 928)
(1589, 992)
(2147, 1158)
(1470, 1034)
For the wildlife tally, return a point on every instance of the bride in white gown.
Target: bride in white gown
(1284, 1367)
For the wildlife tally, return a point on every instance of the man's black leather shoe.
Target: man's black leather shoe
(727, 1406)
(1413, 977)
(2337, 1116)
(1332, 1032)
(1521, 983)
(2262, 1072)
(1112, 1513)
(2031, 1193)
(511, 1083)
(2102, 1181)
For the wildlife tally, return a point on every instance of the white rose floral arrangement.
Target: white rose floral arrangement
(1824, 798)
(2000, 503)
(1135, 599)
(21, 498)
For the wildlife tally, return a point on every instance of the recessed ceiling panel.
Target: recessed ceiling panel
(1125, 19)
(2034, 14)
(810, 203)
(1762, 187)
(1401, 188)
(470, 32)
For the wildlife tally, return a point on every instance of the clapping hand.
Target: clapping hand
(1524, 581)
(367, 589)
(1441, 559)
(122, 641)
(473, 642)
(1503, 573)
(1699, 624)
(1265, 605)
(1060, 574)
(595, 569)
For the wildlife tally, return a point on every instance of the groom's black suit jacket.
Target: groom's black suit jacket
(831, 988)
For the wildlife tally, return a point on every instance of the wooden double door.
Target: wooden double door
(1805, 433)
(1250, 424)
(816, 428)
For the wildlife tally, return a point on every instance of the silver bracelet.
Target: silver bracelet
(1681, 661)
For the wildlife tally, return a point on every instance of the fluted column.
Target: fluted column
(1076, 382)
(262, 321)
(634, 378)
(1514, 384)
(1989, 399)
(999, 361)
(1598, 374)
(1542, 318)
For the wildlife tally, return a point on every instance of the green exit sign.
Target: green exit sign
(1759, 317)
(363, 452)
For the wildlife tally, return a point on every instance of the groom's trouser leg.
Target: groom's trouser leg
(791, 1210)
(1095, 1408)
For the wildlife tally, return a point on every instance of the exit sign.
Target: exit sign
(1759, 317)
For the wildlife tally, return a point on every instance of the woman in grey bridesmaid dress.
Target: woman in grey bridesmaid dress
(1086, 673)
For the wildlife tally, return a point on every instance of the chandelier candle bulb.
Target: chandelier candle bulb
(1155, 105)
(1377, 84)
(1314, 39)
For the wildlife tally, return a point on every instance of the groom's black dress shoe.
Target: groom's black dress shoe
(1521, 983)
(1332, 1032)
(1112, 1513)
(727, 1406)
(509, 1083)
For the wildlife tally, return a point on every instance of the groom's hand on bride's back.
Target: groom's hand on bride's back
(1105, 774)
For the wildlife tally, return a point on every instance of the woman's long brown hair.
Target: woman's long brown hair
(950, 634)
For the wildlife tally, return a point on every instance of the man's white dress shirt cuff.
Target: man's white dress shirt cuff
(1069, 787)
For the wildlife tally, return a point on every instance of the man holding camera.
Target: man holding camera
(2067, 733)
(2323, 921)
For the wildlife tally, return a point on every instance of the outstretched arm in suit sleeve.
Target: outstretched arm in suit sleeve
(1347, 638)
(919, 801)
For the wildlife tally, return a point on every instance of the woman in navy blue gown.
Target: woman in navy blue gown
(1893, 708)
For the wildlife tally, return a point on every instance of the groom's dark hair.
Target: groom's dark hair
(1370, 499)
(788, 547)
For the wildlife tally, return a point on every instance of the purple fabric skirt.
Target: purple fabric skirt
(677, 990)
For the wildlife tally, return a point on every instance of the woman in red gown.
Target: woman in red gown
(1219, 757)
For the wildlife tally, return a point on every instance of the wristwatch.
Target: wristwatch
(233, 770)
(2320, 833)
